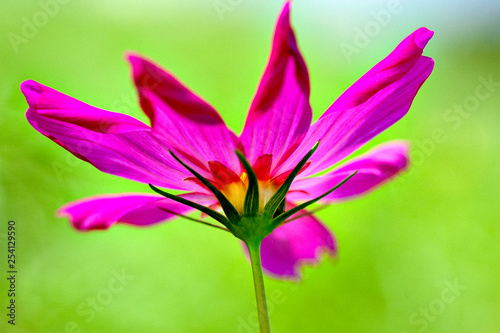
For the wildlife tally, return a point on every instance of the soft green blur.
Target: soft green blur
(401, 247)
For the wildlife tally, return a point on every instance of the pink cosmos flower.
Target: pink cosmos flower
(276, 137)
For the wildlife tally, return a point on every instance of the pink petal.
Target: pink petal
(394, 67)
(112, 142)
(262, 166)
(374, 169)
(101, 212)
(375, 102)
(295, 244)
(182, 119)
(280, 113)
(222, 175)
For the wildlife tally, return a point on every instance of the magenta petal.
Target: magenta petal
(101, 212)
(50, 103)
(294, 244)
(374, 169)
(375, 102)
(394, 67)
(280, 113)
(112, 142)
(182, 119)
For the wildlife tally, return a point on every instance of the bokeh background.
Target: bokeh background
(418, 255)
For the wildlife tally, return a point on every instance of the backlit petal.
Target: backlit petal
(294, 244)
(101, 212)
(112, 142)
(182, 119)
(280, 113)
(375, 102)
(374, 169)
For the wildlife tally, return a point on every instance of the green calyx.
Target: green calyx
(252, 226)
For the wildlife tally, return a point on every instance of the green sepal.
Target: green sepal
(193, 219)
(251, 205)
(228, 208)
(281, 209)
(279, 196)
(282, 217)
(210, 212)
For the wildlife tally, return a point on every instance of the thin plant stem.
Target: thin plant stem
(260, 291)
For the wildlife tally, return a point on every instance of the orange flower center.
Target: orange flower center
(235, 192)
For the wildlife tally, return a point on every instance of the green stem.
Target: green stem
(260, 291)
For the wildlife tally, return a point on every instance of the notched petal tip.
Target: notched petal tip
(137, 62)
(285, 10)
(422, 36)
(83, 217)
(131, 56)
(400, 146)
(429, 62)
(62, 212)
(32, 91)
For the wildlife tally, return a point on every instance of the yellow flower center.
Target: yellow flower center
(235, 192)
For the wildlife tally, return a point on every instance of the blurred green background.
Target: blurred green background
(402, 248)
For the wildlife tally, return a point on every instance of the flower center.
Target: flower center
(235, 192)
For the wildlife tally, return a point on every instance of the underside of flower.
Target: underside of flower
(252, 208)
(234, 186)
